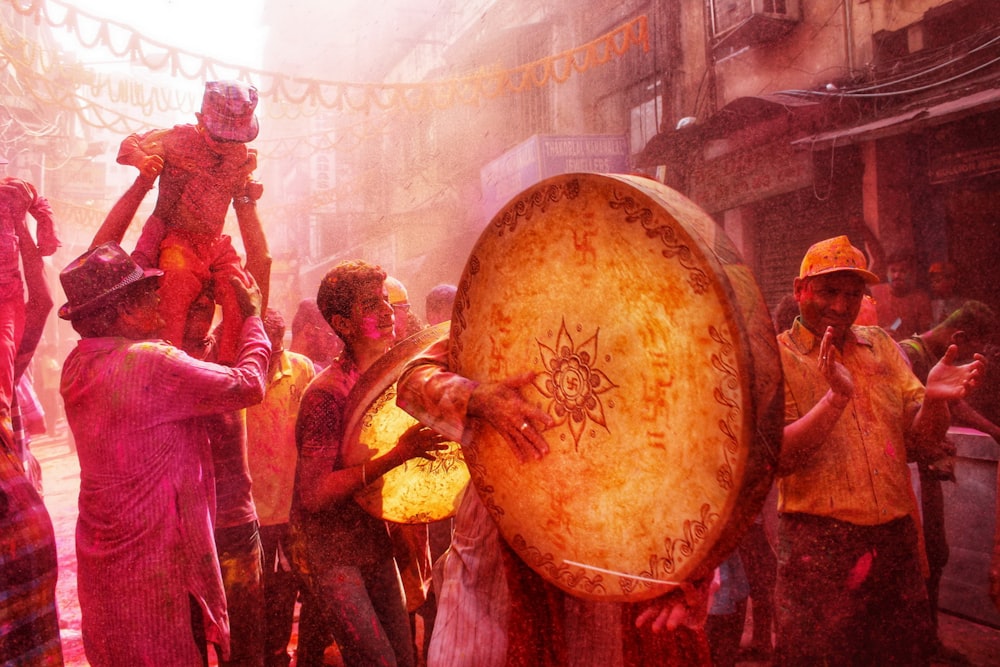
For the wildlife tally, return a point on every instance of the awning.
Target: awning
(927, 116)
(667, 146)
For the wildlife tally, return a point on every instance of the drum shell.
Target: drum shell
(654, 353)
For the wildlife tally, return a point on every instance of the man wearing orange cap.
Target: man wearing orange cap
(850, 588)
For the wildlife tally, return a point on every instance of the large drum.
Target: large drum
(420, 490)
(656, 358)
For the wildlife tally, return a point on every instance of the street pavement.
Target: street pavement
(979, 643)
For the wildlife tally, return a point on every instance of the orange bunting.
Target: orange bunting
(125, 42)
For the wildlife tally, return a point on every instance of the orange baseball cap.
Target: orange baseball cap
(836, 254)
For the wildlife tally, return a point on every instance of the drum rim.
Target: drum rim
(759, 467)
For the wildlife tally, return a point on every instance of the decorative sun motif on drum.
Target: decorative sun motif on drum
(573, 383)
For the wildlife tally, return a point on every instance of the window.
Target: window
(644, 122)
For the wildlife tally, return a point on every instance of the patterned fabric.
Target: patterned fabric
(24, 415)
(470, 628)
(29, 627)
(144, 536)
(345, 534)
(859, 475)
(271, 436)
(227, 110)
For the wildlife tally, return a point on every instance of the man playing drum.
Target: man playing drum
(493, 610)
(343, 553)
(849, 587)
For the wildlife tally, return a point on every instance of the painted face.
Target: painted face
(371, 315)
(943, 284)
(830, 300)
(322, 345)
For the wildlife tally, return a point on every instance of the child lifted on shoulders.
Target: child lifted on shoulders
(206, 166)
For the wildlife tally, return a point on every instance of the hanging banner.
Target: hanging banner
(542, 156)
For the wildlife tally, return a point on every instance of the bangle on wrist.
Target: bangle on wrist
(245, 200)
(364, 476)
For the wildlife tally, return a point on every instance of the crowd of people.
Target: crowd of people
(216, 496)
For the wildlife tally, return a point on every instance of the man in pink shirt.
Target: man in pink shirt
(149, 583)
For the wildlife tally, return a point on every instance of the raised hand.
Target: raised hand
(151, 167)
(835, 372)
(948, 381)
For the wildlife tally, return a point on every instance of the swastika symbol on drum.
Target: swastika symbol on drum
(573, 383)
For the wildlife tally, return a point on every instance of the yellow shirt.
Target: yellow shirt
(271, 451)
(859, 473)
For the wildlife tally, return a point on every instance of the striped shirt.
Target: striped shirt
(144, 537)
(29, 627)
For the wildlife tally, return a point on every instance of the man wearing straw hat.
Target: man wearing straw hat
(149, 583)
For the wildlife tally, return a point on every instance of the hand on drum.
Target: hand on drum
(517, 420)
(687, 606)
(420, 441)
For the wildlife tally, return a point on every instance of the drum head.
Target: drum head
(420, 490)
(656, 358)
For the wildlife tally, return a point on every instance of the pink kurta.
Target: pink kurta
(144, 536)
